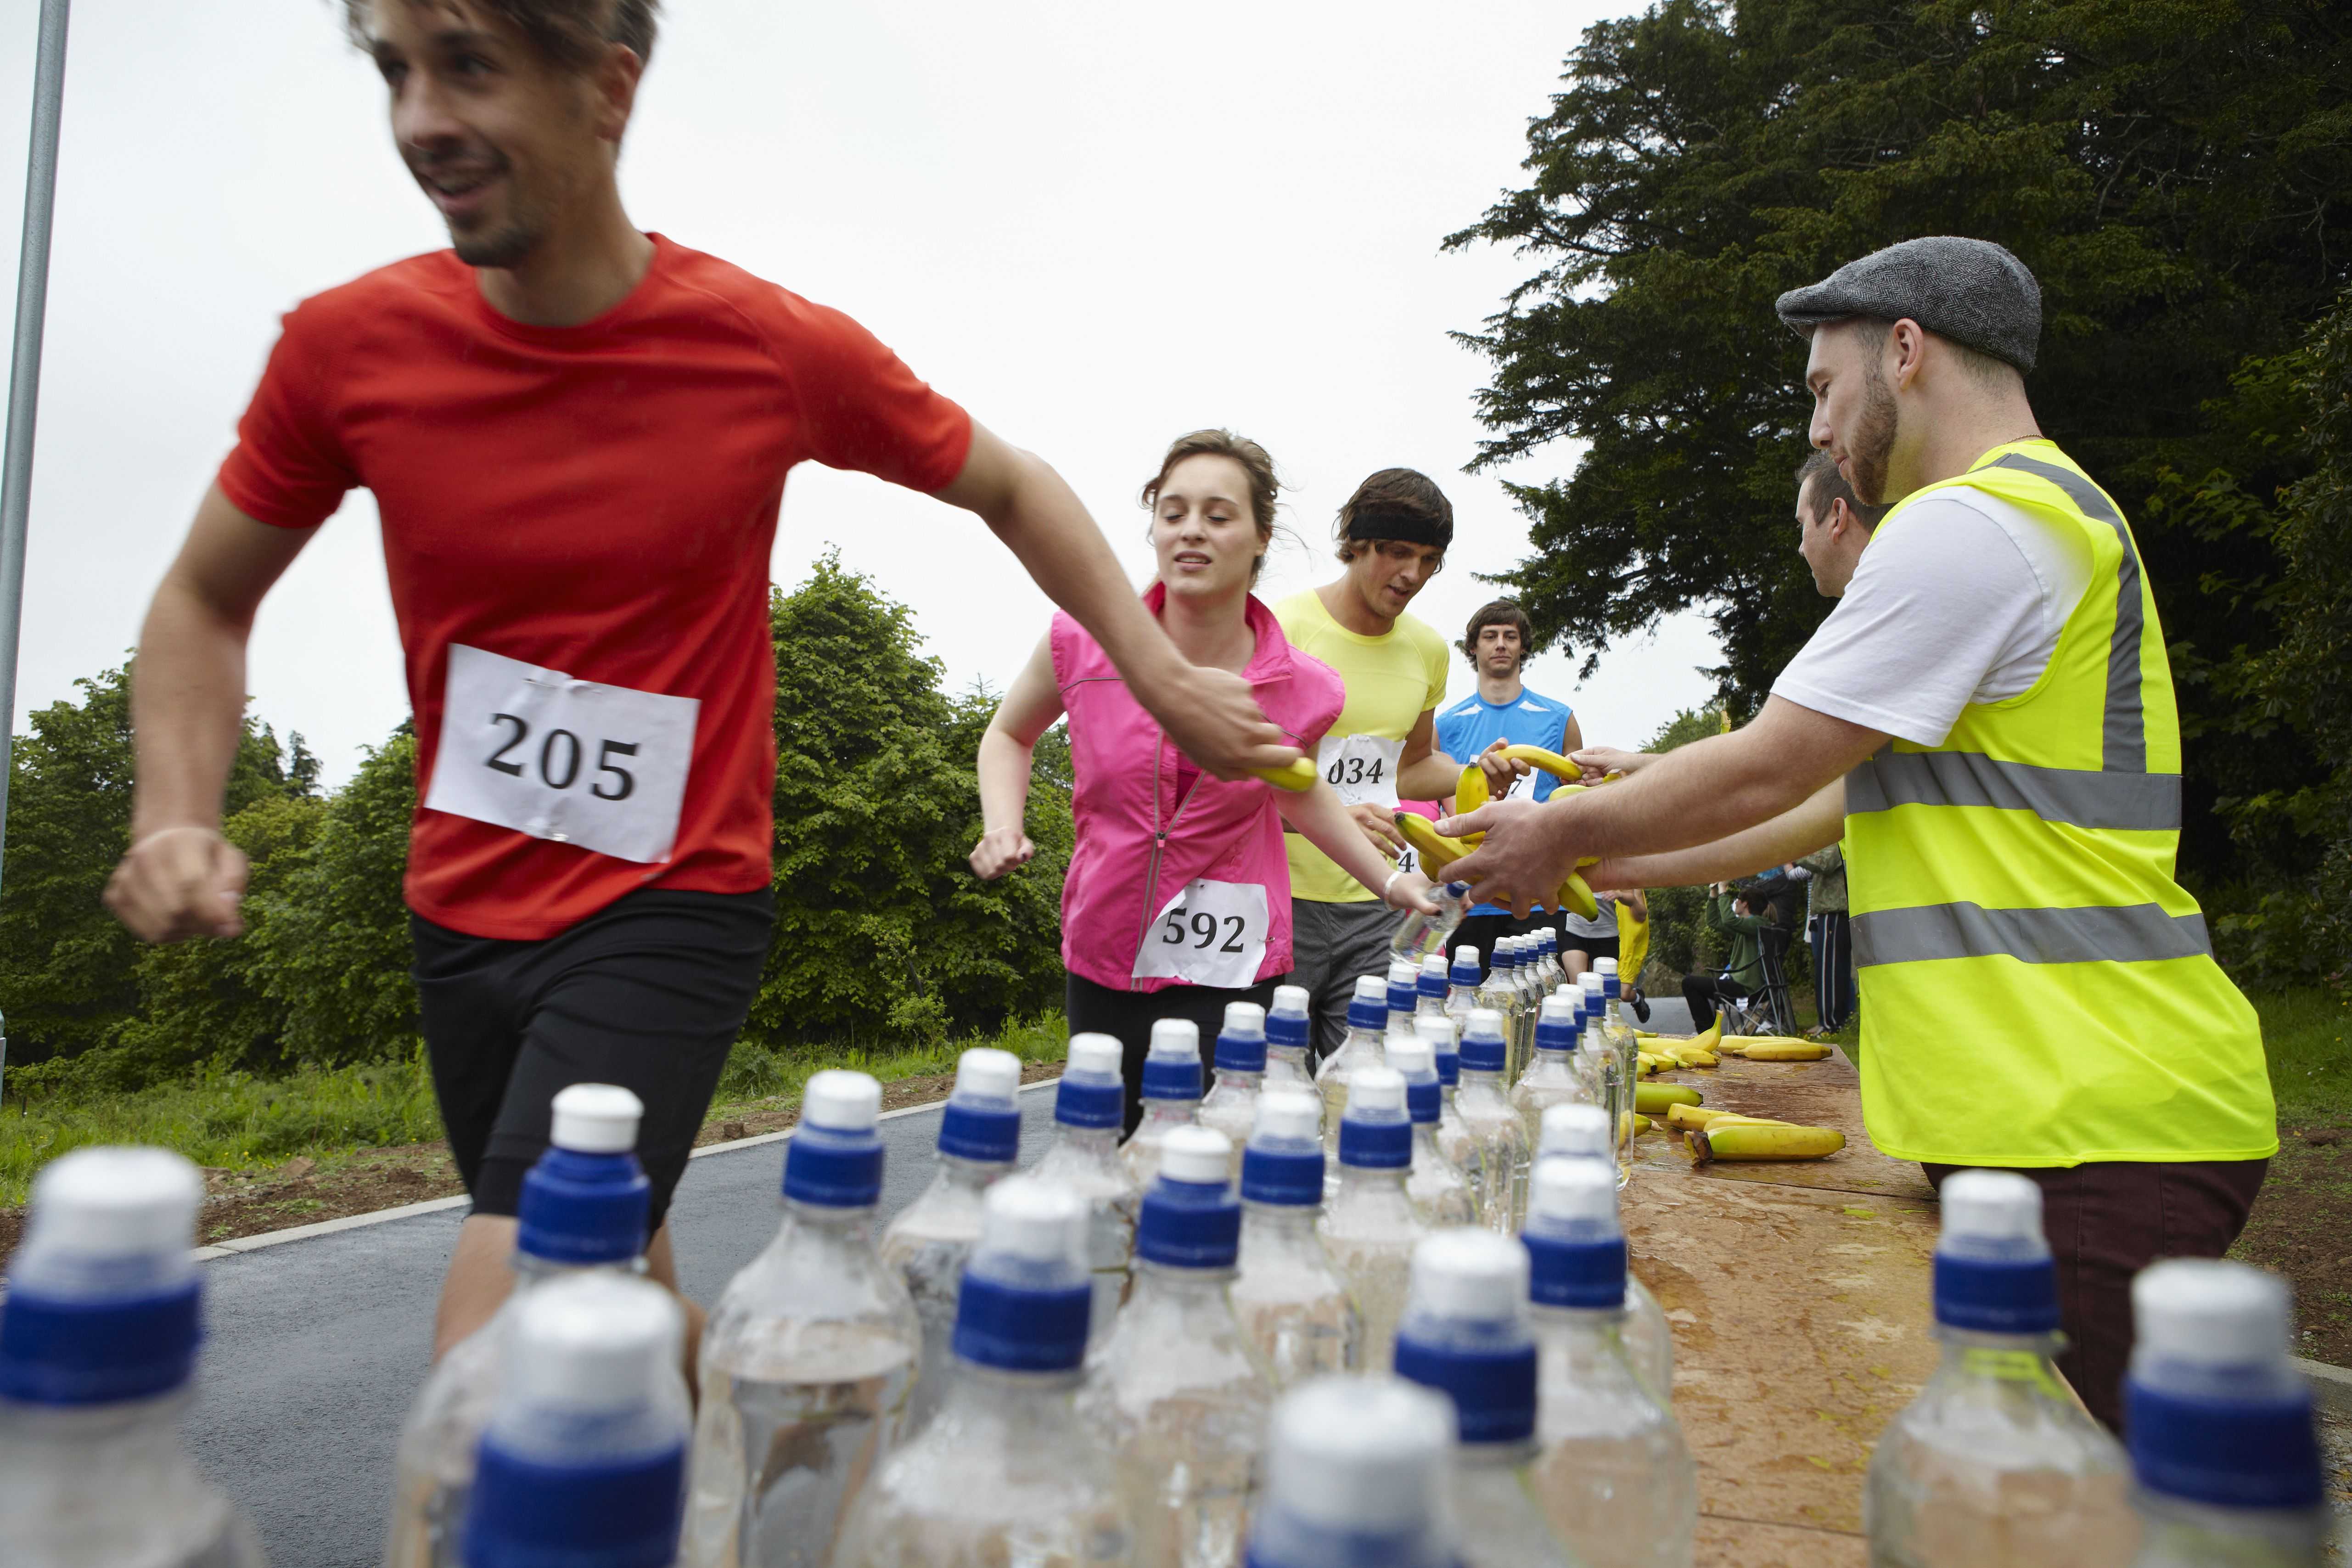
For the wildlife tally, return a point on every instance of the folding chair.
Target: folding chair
(1773, 1005)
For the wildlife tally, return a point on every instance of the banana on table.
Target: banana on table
(1712, 1135)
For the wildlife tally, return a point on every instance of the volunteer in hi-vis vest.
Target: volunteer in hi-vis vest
(1988, 718)
(1391, 535)
(1503, 712)
(577, 436)
(1177, 898)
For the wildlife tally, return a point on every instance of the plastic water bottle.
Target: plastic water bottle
(1454, 1140)
(1462, 987)
(1994, 1461)
(98, 1344)
(1289, 1035)
(1403, 997)
(1581, 1132)
(1175, 1392)
(1230, 1105)
(808, 1361)
(584, 1208)
(2221, 1435)
(1171, 1095)
(1369, 1226)
(1615, 1478)
(1551, 1078)
(1088, 1108)
(980, 1136)
(1548, 972)
(1419, 934)
(584, 1460)
(1499, 994)
(1359, 1475)
(1006, 1473)
(1620, 1032)
(1368, 1023)
(1501, 1134)
(1434, 1185)
(1289, 1300)
(1466, 1335)
(1596, 1061)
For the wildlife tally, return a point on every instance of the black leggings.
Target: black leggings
(1128, 1016)
(1703, 991)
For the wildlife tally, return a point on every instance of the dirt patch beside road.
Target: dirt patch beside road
(2299, 1227)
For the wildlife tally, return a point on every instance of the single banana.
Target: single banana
(1437, 851)
(1552, 763)
(1299, 777)
(1786, 1051)
(1755, 1141)
(1629, 1125)
(1575, 895)
(1470, 790)
(1653, 1097)
(1695, 1116)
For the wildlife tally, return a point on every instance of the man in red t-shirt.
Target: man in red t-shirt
(577, 436)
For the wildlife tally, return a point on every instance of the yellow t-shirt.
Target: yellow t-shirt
(1391, 680)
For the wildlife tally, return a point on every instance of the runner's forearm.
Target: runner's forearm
(1432, 777)
(187, 707)
(1004, 767)
(1320, 818)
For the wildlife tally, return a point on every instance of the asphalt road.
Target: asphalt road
(316, 1346)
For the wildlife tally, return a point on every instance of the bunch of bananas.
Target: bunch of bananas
(1727, 1134)
(1470, 793)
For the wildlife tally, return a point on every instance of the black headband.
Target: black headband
(1409, 527)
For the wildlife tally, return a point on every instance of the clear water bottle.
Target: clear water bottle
(1359, 1475)
(1454, 1140)
(1462, 987)
(1466, 1335)
(1485, 1110)
(1369, 1226)
(1418, 935)
(1175, 1391)
(1614, 1478)
(980, 1136)
(583, 1462)
(1171, 1095)
(1006, 1473)
(1088, 1107)
(1429, 989)
(1548, 970)
(1368, 1023)
(1403, 997)
(584, 1209)
(98, 1344)
(1619, 1029)
(1290, 1039)
(808, 1361)
(1230, 1105)
(1288, 1299)
(1581, 1132)
(2223, 1441)
(1434, 1185)
(1994, 1462)
(1597, 1069)
(1551, 1076)
(1500, 993)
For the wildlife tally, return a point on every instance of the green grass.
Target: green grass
(239, 1123)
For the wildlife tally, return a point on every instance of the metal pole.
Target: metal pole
(25, 369)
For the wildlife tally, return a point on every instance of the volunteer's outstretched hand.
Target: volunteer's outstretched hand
(1214, 720)
(1528, 850)
(179, 883)
(1599, 761)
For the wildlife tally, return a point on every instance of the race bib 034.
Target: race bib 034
(1362, 768)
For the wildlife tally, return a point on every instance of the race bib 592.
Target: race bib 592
(1209, 933)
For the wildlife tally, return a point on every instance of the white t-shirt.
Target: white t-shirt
(1961, 602)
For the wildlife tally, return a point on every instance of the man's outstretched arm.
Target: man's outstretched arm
(181, 878)
(1209, 713)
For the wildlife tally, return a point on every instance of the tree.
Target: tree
(2173, 170)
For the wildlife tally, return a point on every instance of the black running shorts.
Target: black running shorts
(648, 992)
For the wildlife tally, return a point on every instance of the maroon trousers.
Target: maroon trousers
(2106, 1223)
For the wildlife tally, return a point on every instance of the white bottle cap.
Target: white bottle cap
(1432, 967)
(1039, 1222)
(2000, 1207)
(1590, 980)
(1292, 1113)
(1507, 945)
(1486, 1023)
(1607, 966)
(2209, 1313)
(1573, 1190)
(1372, 988)
(1556, 1009)
(1196, 1155)
(1402, 972)
(1468, 1273)
(1467, 954)
(1174, 1039)
(1290, 1000)
(1360, 1454)
(1436, 1033)
(1578, 1132)
(594, 1343)
(841, 1101)
(1099, 1055)
(111, 1201)
(1247, 1019)
(1569, 989)
(986, 1072)
(595, 1119)
(1412, 1057)
(1375, 1090)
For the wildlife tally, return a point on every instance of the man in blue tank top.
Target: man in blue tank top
(1503, 712)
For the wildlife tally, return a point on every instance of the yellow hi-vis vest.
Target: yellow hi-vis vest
(2036, 988)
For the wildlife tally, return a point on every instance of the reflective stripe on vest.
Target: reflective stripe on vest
(2037, 988)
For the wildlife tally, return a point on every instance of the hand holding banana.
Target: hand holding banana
(1514, 854)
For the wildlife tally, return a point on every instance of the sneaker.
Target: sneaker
(1641, 1007)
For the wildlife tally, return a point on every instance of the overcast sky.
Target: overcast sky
(1097, 226)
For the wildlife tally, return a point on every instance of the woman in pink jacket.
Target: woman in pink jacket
(1178, 896)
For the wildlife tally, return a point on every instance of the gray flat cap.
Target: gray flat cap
(1969, 290)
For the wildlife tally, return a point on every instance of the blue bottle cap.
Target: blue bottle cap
(1241, 1044)
(1557, 1025)
(2215, 1410)
(581, 1209)
(1026, 1291)
(1576, 1247)
(1190, 1217)
(1466, 966)
(1367, 1006)
(1430, 985)
(1449, 1069)
(1376, 1132)
(1993, 1269)
(529, 1512)
(1173, 1069)
(1092, 1088)
(981, 1120)
(1463, 1332)
(58, 1350)
(1493, 1388)
(1425, 1098)
(1483, 1049)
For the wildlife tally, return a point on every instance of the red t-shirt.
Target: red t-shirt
(598, 501)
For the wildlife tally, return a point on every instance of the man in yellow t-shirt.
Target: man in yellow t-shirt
(1392, 536)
